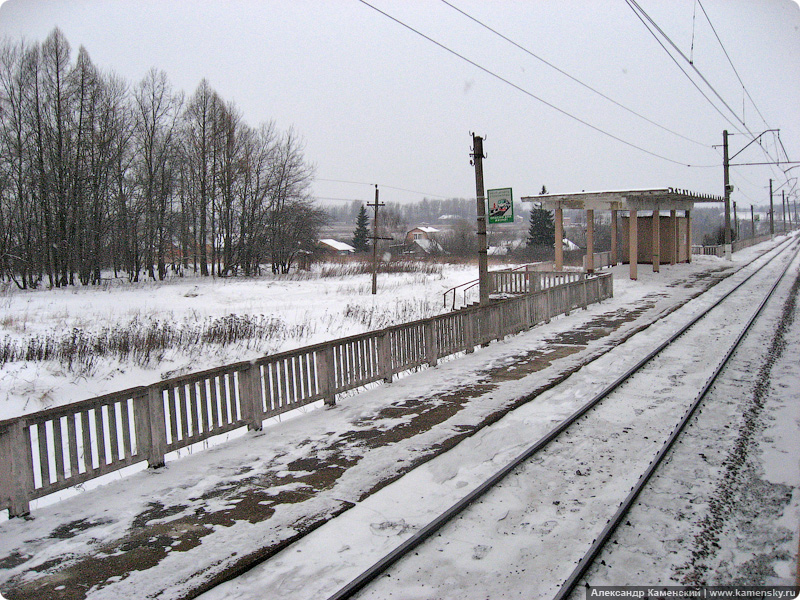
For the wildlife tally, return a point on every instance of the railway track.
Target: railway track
(541, 506)
(648, 406)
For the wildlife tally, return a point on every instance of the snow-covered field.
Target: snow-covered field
(299, 310)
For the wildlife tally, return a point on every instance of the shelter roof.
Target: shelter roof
(644, 199)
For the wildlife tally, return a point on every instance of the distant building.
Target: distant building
(421, 232)
(421, 240)
(330, 246)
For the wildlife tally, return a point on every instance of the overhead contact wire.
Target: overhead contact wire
(575, 79)
(521, 89)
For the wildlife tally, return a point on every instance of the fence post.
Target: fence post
(7, 479)
(16, 469)
(548, 304)
(151, 426)
(250, 396)
(431, 343)
(469, 332)
(327, 375)
(385, 356)
(585, 297)
(497, 321)
(528, 303)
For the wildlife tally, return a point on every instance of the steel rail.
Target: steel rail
(597, 545)
(362, 580)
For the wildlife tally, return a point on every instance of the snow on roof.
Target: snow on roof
(425, 229)
(336, 245)
(623, 199)
(428, 246)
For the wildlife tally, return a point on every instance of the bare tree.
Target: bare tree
(54, 145)
(290, 203)
(260, 147)
(20, 229)
(461, 240)
(94, 174)
(199, 152)
(156, 113)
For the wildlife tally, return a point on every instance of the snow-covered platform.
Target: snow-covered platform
(175, 531)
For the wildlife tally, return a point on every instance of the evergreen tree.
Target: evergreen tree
(361, 233)
(542, 230)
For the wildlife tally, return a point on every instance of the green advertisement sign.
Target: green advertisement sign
(501, 206)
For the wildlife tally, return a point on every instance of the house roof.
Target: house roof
(428, 246)
(337, 245)
(425, 229)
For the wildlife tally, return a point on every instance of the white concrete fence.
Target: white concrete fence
(52, 450)
(719, 251)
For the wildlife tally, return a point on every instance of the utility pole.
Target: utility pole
(735, 220)
(771, 211)
(752, 222)
(483, 250)
(726, 181)
(375, 239)
(783, 209)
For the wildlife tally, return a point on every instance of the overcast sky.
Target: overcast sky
(378, 103)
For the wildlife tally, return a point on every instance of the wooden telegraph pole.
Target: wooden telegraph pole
(483, 249)
(375, 238)
(375, 242)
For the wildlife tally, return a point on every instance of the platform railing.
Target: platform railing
(523, 279)
(736, 246)
(51, 450)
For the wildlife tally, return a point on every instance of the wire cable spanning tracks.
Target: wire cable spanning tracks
(439, 522)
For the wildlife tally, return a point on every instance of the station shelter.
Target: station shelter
(656, 224)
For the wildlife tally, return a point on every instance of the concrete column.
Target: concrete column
(673, 227)
(559, 241)
(656, 241)
(688, 236)
(633, 244)
(589, 240)
(614, 253)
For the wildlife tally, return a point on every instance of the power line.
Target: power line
(520, 89)
(575, 79)
(731, 63)
(384, 186)
(782, 146)
(636, 8)
(744, 88)
(339, 199)
(776, 163)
